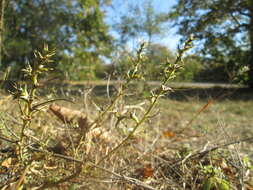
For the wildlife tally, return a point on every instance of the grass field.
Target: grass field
(161, 153)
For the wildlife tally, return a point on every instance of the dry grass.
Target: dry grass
(154, 155)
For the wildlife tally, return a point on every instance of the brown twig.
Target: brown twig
(8, 140)
(57, 155)
(56, 183)
(203, 153)
(126, 179)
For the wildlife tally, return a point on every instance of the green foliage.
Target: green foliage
(78, 68)
(213, 73)
(140, 22)
(75, 27)
(214, 179)
(192, 67)
(27, 94)
(156, 55)
(224, 34)
(120, 65)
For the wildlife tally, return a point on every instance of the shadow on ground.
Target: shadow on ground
(198, 91)
(180, 94)
(218, 93)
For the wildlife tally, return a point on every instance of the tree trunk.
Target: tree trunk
(1, 29)
(250, 63)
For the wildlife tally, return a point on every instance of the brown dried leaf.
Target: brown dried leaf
(168, 134)
(98, 134)
(249, 187)
(58, 148)
(50, 167)
(67, 115)
(145, 172)
(7, 163)
(38, 156)
(226, 169)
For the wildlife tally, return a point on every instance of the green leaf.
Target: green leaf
(224, 185)
(209, 183)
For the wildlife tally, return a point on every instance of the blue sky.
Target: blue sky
(169, 39)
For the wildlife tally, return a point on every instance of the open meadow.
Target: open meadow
(190, 140)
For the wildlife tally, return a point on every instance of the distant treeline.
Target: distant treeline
(87, 50)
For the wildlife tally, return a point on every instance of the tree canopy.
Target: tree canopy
(140, 22)
(223, 29)
(75, 27)
(85, 38)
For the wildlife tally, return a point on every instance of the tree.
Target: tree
(223, 29)
(141, 21)
(74, 27)
(2, 9)
(152, 68)
(157, 55)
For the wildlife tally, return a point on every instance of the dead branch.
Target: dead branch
(203, 153)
